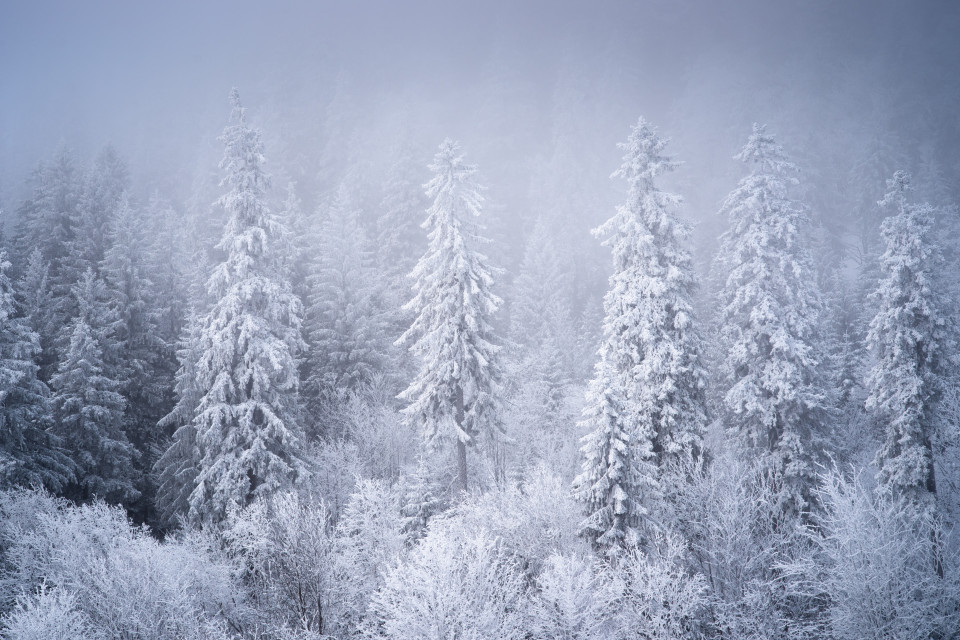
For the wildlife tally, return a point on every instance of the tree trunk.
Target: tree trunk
(461, 445)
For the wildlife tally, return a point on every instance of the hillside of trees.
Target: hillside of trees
(540, 320)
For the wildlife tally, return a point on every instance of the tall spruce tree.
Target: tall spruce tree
(769, 312)
(909, 340)
(344, 320)
(140, 351)
(89, 408)
(176, 470)
(453, 397)
(646, 401)
(30, 454)
(40, 310)
(250, 440)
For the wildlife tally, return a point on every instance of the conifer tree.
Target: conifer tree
(97, 206)
(176, 470)
(646, 403)
(139, 349)
(453, 397)
(770, 309)
(30, 454)
(540, 284)
(246, 420)
(89, 408)
(399, 235)
(39, 309)
(909, 340)
(344, 324)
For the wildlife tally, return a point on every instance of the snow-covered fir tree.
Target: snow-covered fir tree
(769, 312)
(250, 441)
(39, 308)
(615, 471)
(399, 236)
(909, 341)
(30, 454)
(646, 401)
(453, 398)
(542, 283)
(88, 405)
(343, 320)
(140, 351)
(176, 469)
(98, 204)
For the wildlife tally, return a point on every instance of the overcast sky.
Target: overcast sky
(152, 77)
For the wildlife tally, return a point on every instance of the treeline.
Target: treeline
(340, 424)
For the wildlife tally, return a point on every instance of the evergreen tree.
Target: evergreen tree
(344, 325)
(647, 393)
(97, 206)
(30, 454)
(541, 284)
(909, 340)
(399, 235)
(246, 423)
(176, 470)
(453, 397)
(46, 220)
(89, 407)
(139, 348)
(39, 309)
(615, 470)
(770, 309)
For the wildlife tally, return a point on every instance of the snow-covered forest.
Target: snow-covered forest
(491, 321)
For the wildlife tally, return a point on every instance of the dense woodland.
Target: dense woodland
(349, 385)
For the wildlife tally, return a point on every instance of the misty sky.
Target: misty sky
(504, 77)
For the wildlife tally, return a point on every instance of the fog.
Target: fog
(334, 84)
(245, 302)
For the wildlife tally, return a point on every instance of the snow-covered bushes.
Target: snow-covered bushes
(660, 598)
(48, 614)
(452, 586)
(737, 539)
(876, 565)
(533, 520)
(87, 565)
(574, 600)
(284, 550)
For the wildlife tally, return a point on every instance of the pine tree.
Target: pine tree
(30, 455)
(139, 349)
(399, 235)
(909, 340)
(541, 284)
(246, 421)
(615, 470)
(453, 397)
(646, 401)
(770, 309)
(97, 206)
(39, 309)
(344, 324)
(176, 470)
(46, 220)
(89, 408)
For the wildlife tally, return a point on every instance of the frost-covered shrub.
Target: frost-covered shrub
(451, 586)
(49, 614)
(660, 599)
(534, 520)
(284, 552)
(369, 541)
(738, 539)
(575, 600)
(876, 565)
(127, 584)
